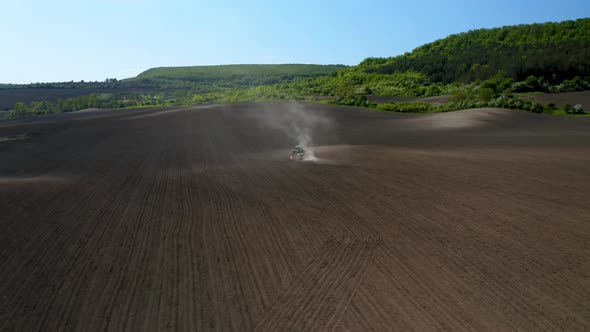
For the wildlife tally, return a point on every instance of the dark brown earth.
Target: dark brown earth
(560, 99)
(195, 220)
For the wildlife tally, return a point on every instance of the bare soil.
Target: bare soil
(196, 220)
(560, 99)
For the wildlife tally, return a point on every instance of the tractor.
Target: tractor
(298, 153)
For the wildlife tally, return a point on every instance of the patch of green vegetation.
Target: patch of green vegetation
(490, 93)
(408, 107)
(109, 83)
(259, 74)
(553, 51)
(102, 100)
(203, 79)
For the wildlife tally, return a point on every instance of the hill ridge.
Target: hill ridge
(540, 49)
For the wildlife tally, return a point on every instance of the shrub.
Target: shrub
(537, 108)
(352, 100)
(521, 87)
(406, 107)
(575, 84)
(485, 94)
(458, 96)
(499, 102)
(578, 109)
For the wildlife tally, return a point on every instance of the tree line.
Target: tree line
(96, 100)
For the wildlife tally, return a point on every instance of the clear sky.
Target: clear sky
(63, 40)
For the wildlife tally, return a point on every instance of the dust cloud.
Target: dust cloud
(299, 124)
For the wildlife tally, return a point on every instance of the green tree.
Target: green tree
(485, 94)
(20, 110)
(20, 107)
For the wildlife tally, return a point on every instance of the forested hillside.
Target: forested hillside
(555, 51)
(234, 76)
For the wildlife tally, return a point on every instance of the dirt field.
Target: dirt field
(195, 220)
(560, 99)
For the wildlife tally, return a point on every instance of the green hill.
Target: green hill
(554, 51)
(238, 76)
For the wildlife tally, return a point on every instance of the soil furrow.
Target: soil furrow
(319, 297)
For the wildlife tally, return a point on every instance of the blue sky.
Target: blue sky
(63, 40)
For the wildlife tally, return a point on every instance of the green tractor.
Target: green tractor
(298, 153)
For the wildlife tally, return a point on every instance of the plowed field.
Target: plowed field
(196, 219)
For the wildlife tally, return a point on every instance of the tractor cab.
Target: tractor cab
(297, 153)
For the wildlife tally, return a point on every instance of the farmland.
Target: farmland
(193, 218)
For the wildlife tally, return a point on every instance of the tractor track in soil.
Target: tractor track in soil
(195, 219)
